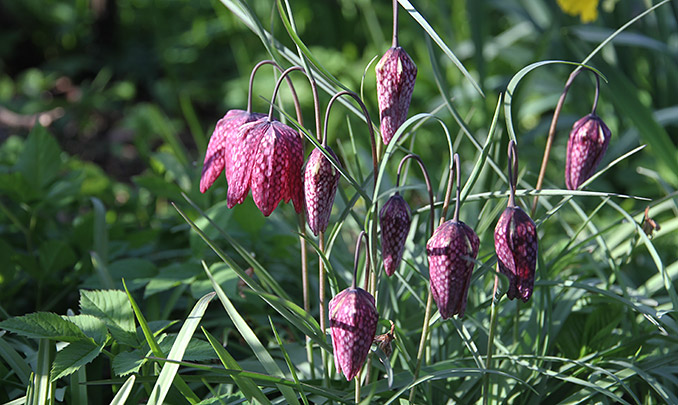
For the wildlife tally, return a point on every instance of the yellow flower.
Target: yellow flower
(586, 9)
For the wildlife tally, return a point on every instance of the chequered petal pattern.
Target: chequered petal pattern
(395, 221)
(353, 325)
(451, 252)
(320, 186)
(516, 244)
(267, 157)
(588, 142)
(218, 155)
(396, 74)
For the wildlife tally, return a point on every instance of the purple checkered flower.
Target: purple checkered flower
(320, 186)
(516, 244)
(588, 142)
(395, 220)
(396, 74)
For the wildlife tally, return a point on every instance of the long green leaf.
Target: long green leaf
(251, 391)
(251, 338)
(121, 397)
(169, 370)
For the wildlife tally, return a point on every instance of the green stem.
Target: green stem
(490, 340)
(423, 340)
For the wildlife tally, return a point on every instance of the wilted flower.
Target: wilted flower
(588, 142)
(353, 324)
(320, 187)
(451, 253)
(219, 149)
(267, 156)
(396, 74)
(516, 244)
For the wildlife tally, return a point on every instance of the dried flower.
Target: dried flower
(396, 74)
(384, 341)
(395, 220)
(588, 142)
(451, 253)
(353, 324)
(516, 244)
(267, 157)
(320, 187)
(218, 155)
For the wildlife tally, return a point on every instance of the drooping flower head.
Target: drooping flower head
(267, 157)
(353, 324)
(451, 253)
(396, 74)
(219, 149)
(395, 220)
(320, 186)
(516, 244)
(515, 240)
(586, 146)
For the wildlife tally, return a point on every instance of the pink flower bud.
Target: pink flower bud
(588, 142)
(396, 74)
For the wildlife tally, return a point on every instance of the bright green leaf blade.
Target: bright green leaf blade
(92, 327)
(112, 307)
(251, 338)
(246, 385)
(121, 397)
(44, 325)
(77, 354)
(169, 370)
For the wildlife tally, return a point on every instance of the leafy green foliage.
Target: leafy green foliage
(125, 97)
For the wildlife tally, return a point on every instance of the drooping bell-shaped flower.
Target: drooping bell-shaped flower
(588, 142)
(267, 157)
(451, 253)
(516, 244)
(396, 74)
(218, 155)
(353, 326)
(395, 221)
(320, 186)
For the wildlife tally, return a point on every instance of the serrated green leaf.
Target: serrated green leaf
(128, 362)
(72, 357)
(40, 159)
(90, 326)
(114, 310)
(44, 325)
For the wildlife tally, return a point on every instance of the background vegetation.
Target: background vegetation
(127, 93)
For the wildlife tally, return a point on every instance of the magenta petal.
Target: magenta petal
(395, 221)
(396, 74)
(516, 244)
(320, 186)
(586, 146)
(243, 152)
(353, 325)
(219, 149)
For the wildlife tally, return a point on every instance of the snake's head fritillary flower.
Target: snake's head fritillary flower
(451, 253)
(395, 221)
(515, 241)
(353, 326)
(396, 74)
(588, 142)
(267, 157)
(320, 186)
(218, 155)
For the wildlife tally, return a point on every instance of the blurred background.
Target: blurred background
(127, 92)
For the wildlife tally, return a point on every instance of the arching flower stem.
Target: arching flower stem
(297, 106)
(554, 123)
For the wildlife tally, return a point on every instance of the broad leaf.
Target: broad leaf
(44, 325)
(113, 308)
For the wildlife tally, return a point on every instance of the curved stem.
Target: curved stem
(297, 106)
(321, 281)
(512, 172)
(375, 163)
(595, 97)
(427, 179)
(356, 258)
(394, 42)
(314, 89)
(457, 205)
(552, 128)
